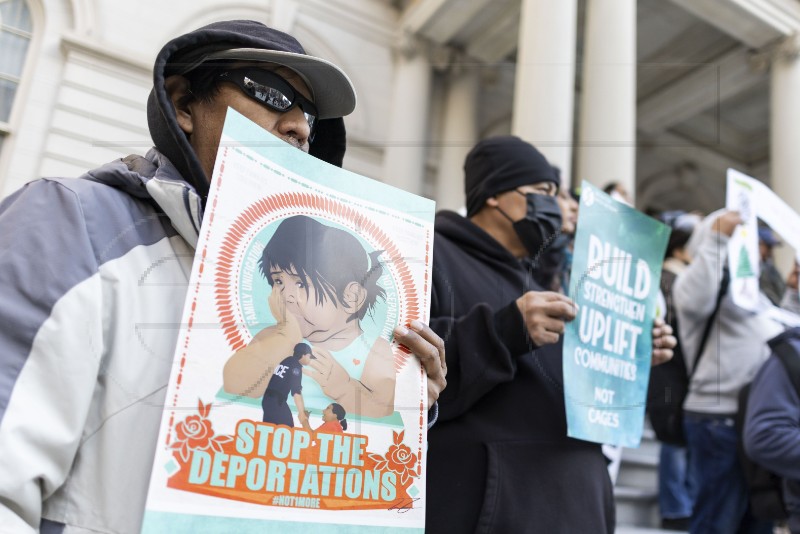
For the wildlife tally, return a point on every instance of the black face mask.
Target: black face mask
(542, 222)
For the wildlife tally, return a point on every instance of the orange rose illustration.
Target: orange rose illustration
(398, 459)
(196, 433)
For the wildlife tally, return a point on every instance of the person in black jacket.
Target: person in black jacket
(499, 459)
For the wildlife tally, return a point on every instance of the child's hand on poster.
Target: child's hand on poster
(372, 395)
(286, 323)
(303, 417)
(329, 374)
(277, 306)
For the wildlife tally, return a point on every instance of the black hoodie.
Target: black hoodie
(188, 49)
(499, 458)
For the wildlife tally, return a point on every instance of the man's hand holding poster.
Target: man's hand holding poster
(607, 348)
(290, 407)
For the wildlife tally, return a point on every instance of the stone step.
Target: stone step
(636, 490)
(639, 471)
(636, 507)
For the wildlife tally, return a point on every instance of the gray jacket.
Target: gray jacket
(93, 275)
(737, 344)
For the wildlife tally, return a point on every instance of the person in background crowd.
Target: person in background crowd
(733, 351)
(551, 270)
(618, 192)
(770, 279)
(791, 298)
(675, 487)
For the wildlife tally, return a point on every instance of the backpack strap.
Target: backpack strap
(723, 288)
(788, 355)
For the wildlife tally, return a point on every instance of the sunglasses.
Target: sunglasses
(273, 91)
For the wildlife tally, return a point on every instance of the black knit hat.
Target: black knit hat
(500, 164)
(333, 92)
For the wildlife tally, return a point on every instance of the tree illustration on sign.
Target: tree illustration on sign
(744, 269)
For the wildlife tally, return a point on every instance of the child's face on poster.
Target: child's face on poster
(319, 319)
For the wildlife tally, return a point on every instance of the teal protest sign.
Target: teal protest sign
(607, 348)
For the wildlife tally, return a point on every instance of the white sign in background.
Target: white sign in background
(755, 200)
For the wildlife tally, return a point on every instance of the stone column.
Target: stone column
(784, 124)
(607, 121)
(459, 135)
(545, 79)
(407, 125)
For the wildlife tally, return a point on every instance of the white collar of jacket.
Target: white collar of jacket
(178, 199)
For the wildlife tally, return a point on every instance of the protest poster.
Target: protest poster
(290, 408)
(615, 278)
(743, 257)
(755, 200)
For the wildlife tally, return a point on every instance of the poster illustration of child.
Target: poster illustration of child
(323, 283)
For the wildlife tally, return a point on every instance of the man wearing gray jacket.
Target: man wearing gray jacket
(734, 350)
(94, 272)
